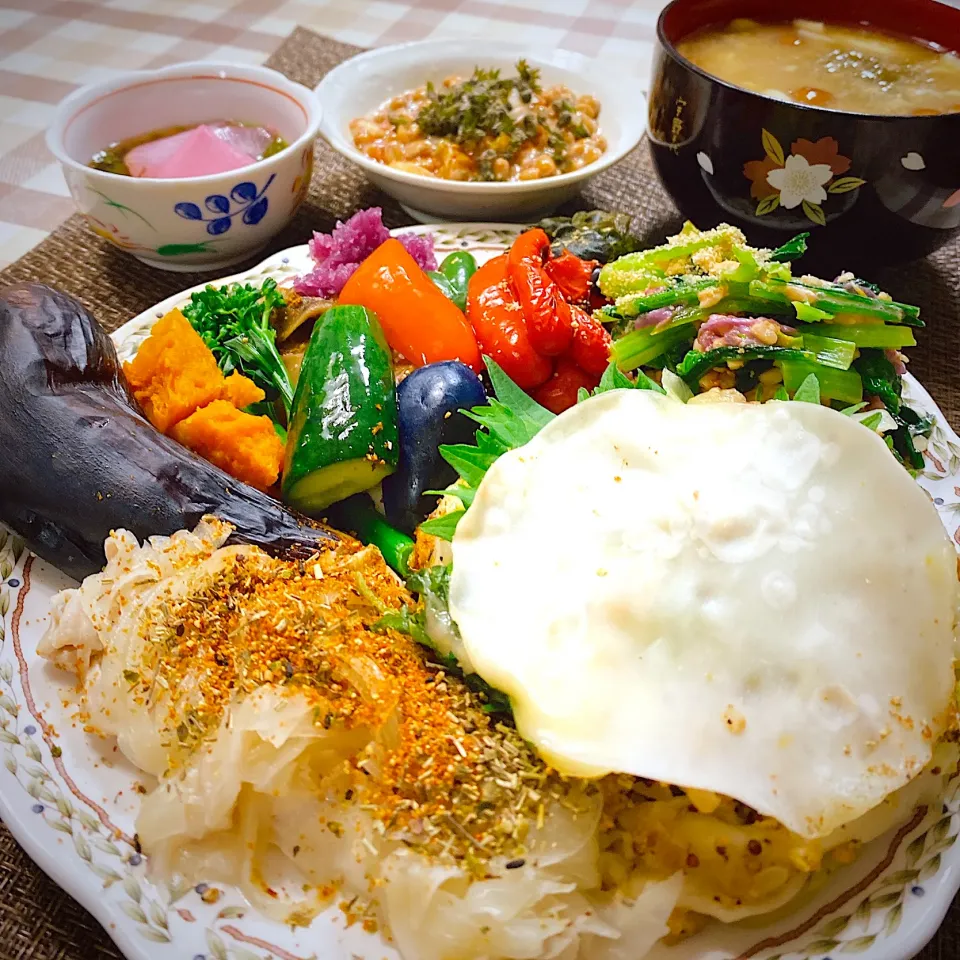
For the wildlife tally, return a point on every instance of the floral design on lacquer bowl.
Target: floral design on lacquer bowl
(805, 178)
(913, 161)
(879, 188)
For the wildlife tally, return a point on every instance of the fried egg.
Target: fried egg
(754, 600)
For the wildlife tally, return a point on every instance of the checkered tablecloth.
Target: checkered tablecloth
(50, 47)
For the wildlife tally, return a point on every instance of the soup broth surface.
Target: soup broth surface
(858, 69)
(230, 144)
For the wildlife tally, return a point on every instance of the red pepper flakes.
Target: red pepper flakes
(435, 770)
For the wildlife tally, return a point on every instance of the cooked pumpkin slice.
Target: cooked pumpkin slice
(245, 446)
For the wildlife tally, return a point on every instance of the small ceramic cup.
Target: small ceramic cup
(190, 223)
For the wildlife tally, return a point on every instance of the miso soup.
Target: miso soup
(858, 69)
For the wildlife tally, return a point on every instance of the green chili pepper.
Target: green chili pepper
(358, 516)
(458, 267)
(443, 285)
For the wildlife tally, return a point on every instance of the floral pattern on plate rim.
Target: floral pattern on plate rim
(857, 920)
(111, 856)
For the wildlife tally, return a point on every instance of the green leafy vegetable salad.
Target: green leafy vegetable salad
(733, 321)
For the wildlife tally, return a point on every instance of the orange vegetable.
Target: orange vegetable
(245, 446)
(174, 373)
(549, 324)
(487, 274)
(590, 349)
(418, 321)
(573, 276)
(241, 391)
(176, 380)
(500, 327)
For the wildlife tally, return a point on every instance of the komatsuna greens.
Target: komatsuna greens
(724, 315)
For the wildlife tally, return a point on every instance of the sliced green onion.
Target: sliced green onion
(681, 294)
(833, 300)
(748, 269)
(843, 385)
(696, 363)
(667, 252)
(810, 314)
(882, 335)
(639, 347)
(829, 351)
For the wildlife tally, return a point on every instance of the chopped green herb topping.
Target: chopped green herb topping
(483, 105)
(507, 110)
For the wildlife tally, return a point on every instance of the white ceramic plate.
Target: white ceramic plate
(71, 801)
(361, 84)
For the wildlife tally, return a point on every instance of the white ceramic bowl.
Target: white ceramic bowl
(360, 84)
(194, 222)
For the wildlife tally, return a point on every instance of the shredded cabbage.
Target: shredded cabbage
(262, 804)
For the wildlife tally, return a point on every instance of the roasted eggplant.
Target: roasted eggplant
(296, 312)
(78, 458)
(428, 405)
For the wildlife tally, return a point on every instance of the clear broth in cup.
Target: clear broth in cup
(162, 153)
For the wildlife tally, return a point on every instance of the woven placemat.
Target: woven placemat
(37, 920)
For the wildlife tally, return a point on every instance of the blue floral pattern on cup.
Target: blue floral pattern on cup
(245, 199)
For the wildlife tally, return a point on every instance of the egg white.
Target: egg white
(756, 600)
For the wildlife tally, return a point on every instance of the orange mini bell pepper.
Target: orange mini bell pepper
(418, 321)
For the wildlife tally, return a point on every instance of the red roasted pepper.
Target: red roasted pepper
(499, 326)
(523, 319)
(590, 349)
(573, 276)
(559, 393)
(550, 329)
